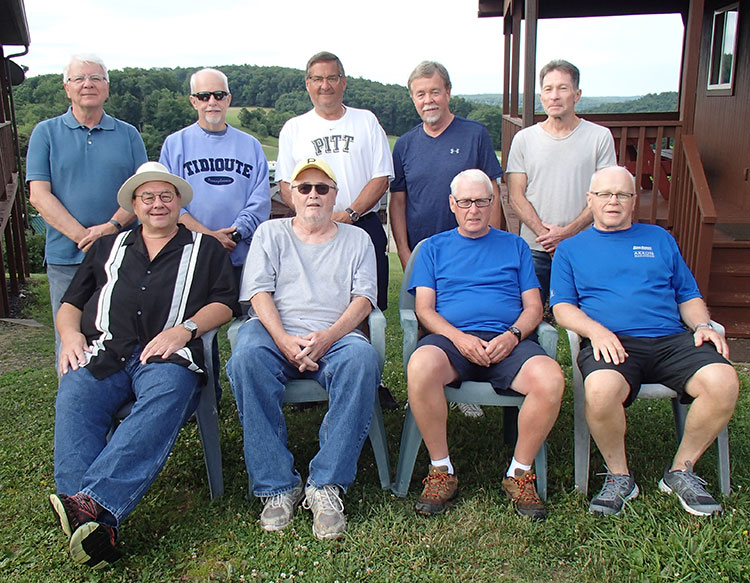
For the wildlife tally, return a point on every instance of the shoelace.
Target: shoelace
(275, 501)
(433, 484)
(85, 505)
(526, 488)
(328, 499)
(694, 481)
(614, 485)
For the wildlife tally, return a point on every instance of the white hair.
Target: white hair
(208, 70)
(471, 175)
(619, 169)
(88, 59)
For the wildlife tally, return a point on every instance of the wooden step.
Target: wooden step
(733, 299)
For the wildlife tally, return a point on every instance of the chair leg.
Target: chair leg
(208, 427)
(379, 444)
(680, 412)
(582, 447)
(411, 439)
(722, 444)
(540, 467)
(510, 425)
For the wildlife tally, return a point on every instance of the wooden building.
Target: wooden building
(14, 32)
(692, 167)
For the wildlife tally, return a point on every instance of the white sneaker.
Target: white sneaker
(469, 409)
(278, 510)
(329, 521)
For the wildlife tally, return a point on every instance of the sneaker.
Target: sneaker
(93, 544)
(688, 486)
(329, 521)
(617, 489)
(73, 511)
(522, 491)
(278, 510)
(468, 409)
(440, 490)
(387, 401)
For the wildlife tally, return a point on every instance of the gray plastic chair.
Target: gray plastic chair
(208, 421)
(648, 391)
(477, 393)
(308, 391)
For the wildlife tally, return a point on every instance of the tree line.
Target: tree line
(155, 102)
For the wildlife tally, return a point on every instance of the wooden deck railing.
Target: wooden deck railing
(694, 214)
(10, 229)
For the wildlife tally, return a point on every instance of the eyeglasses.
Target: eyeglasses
(206, 95)
(332, 79)
(464, 203)
(150, 197)
(79, 79)
(306, 188)
(607, 196)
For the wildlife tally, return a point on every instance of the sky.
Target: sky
(616, 56)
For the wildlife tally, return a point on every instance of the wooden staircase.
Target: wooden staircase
(729, 285)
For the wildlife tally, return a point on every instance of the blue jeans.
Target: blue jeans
(257, 372)
(117, 473)
(59, 278)
(542, 265)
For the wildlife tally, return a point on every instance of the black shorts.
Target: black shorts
(669, 360)
(499, 375)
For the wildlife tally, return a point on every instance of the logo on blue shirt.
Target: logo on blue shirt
(219, 180)
(455, 150)
(643, 251)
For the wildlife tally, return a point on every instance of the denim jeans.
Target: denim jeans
(257, 372)
(59, 278)
(543, 266)
(117, 473)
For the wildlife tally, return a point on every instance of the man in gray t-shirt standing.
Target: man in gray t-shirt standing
(550, 165)
(310, 282)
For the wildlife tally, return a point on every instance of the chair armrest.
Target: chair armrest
(376, 322)
(718, 327)
(234, 329)
(548, 335)
(410, 328)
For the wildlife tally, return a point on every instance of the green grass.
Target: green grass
(177, 534)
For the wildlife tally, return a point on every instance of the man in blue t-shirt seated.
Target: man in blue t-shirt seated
(625, 288)
(478, 297)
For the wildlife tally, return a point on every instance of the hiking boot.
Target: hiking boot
(469, 410)
(522, 491)
(278, 510)
(93, 544)
(688, 486)
(387, 401)
(73, 511)
(617, 489)
(440, 489)
(327, 508)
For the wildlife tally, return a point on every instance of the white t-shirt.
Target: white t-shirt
(355, 146)
(559, 170)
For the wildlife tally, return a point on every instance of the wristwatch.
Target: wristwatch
(708, 325)
(191, 327)
(117, 225)
(516, 332)
(353, 214)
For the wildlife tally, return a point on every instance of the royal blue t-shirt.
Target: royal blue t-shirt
(478, 282)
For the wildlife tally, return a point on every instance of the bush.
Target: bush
(35, 247)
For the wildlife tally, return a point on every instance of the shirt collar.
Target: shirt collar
(106, 123)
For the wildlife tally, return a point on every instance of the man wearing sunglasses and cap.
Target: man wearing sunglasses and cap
(310, 282)
(225, 166)
(130, 324)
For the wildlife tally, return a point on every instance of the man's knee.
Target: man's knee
(542, 377)
(605, 389)
(428, 367)
(718, 383)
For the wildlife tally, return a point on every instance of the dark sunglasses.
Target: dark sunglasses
(206, 95)
(306, 188)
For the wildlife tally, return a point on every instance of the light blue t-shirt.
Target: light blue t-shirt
(85, 168)
(630, 281)
(478, 282)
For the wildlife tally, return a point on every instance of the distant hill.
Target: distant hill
(666, 101)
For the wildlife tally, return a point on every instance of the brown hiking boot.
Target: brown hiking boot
(440, 489)
(522, 491)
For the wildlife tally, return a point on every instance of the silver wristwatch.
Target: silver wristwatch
(353, 214)
(191, 327)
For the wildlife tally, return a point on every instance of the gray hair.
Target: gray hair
(87, 59)
(428, 69)
(619, 169)
(324, 57)
(562, 66)
(208, 70)
(472, 175)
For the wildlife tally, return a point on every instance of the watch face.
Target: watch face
(190, 326)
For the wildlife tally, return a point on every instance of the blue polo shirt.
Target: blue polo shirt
(85, 168)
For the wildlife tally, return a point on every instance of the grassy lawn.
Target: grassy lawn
(177, 534)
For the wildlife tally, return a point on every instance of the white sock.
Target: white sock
(446, 461)
(511, 473)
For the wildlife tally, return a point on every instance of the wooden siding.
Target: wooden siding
(722, 124)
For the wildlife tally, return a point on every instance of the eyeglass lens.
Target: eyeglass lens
(150, 197)
(206, 95)
(306, 188)
(465, 203)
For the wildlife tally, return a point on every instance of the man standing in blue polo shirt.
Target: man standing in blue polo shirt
(75, 164)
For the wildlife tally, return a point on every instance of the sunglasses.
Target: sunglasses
(306, 188)
(206, 95)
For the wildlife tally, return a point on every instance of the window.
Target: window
(723, 50)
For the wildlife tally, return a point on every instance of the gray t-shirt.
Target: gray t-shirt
(559, 170)
(311, 285)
